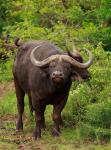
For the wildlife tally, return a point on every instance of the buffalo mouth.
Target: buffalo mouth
(57, 81)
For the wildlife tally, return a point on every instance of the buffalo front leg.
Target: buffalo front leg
(57, 118)
(39, 116)
(40, 121)
(20, 105)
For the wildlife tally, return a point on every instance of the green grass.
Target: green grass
(70, 138)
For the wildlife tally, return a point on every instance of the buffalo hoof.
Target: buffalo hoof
(19, 126)
(36, 135)
(55, 133)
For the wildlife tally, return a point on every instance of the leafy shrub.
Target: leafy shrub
(99, 114)
(6, 71)
(91, 101)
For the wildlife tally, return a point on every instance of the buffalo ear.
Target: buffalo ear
(75, 76)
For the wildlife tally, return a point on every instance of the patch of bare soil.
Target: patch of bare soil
(5, 87)
(7, 117)
(11, 139)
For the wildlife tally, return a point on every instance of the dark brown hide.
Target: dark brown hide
(47, 85)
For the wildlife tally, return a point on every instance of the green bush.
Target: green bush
(6, 70)
(91, 100)
(99, 114)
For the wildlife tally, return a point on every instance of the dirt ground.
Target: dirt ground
(6, 87)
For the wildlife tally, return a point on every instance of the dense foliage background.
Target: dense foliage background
(88, 24)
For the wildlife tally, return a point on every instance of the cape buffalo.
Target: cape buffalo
(45, 73)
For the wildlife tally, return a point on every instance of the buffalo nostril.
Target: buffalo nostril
(57, 74)
(61, 74)
(54, 74)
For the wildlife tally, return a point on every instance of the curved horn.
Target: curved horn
(74, 51)
(78, 64)
(44, 62)
(60, 57)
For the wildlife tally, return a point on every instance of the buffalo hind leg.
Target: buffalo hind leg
(30, 104)
(43, 125)
(20, 105)
(61, 124)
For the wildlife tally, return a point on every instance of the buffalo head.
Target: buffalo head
(64, 67)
